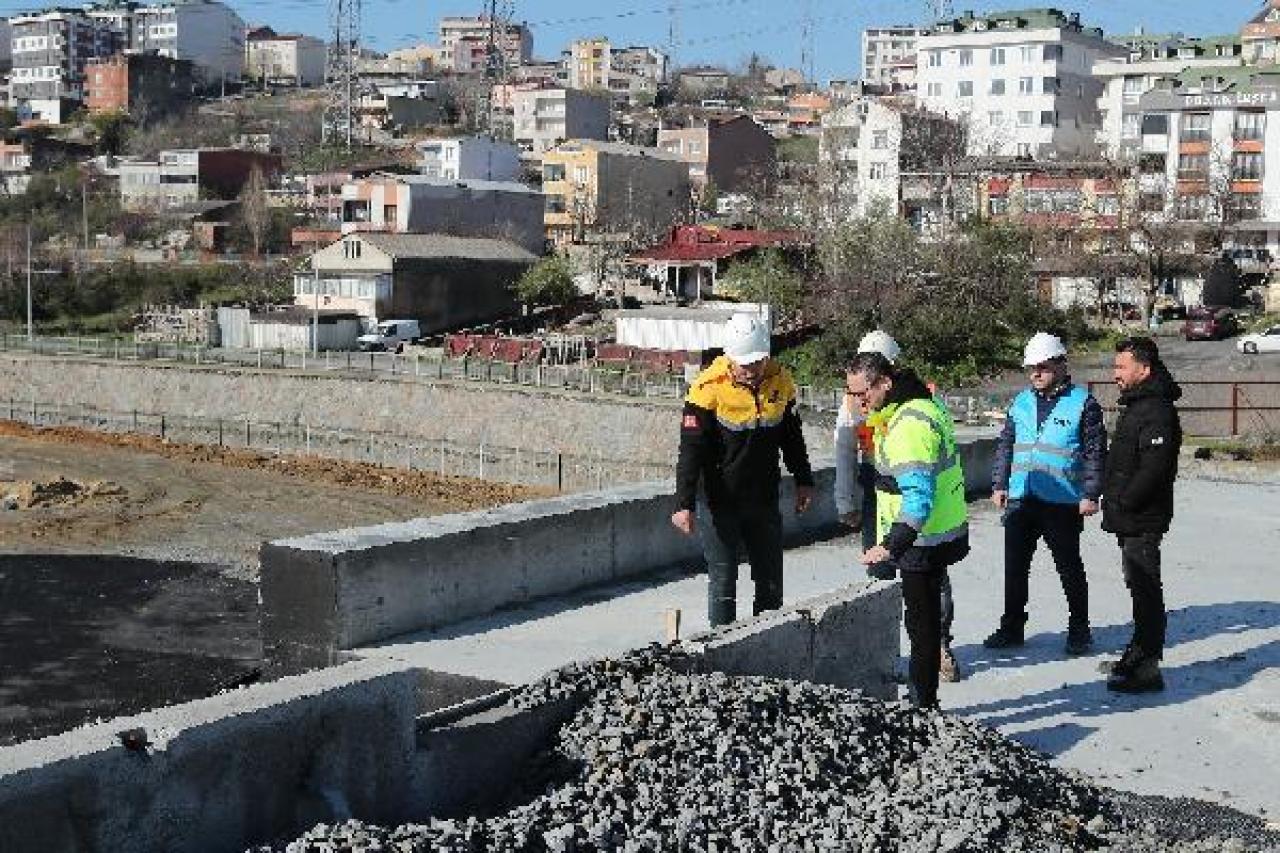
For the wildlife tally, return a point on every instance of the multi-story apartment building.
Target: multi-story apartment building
(628, 73)
(50, 52)
(1261, 35)
(725, 151)
(417, 204)
(1022, 80)
(594, 189)
(889, 56)
(466, 158)
(207, 32)
(1127, 78)
(588, 63)
(145, 85)
(543, 118)
(463, 43)
(184, 176)
(284, 59)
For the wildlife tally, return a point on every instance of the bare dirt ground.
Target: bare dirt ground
(144, 497)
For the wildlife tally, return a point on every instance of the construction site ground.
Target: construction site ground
(166, 501)
(1214, 734)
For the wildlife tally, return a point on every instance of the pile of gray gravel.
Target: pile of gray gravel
(662, 758)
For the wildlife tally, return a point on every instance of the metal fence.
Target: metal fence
(564, 472)
(584, 378)
(1217, 408)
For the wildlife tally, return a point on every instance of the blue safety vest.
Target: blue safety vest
(1046, 457)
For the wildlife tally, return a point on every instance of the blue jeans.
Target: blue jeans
(755, 533)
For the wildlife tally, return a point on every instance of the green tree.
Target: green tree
(548, 282)
(768, 277)
(709, 199)
(111, 130)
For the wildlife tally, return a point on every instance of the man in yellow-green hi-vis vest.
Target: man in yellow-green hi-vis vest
(922, 522)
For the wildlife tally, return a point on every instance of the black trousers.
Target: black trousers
(734, 532)
(1140, 560)
(922, 613)
(1059, 525)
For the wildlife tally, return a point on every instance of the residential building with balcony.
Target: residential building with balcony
(889, 57)
(1022, 79)
(465, 158)
(50, 51)
(594, 190)
(544, 118)
(181, 177)
(207, 32)
(463, 44)
(1125, 79)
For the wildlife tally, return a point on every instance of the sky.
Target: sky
(723, 32)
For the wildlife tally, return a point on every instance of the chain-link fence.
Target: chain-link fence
(564, 472)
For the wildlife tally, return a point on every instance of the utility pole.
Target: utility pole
(31, 336)
(315, 299)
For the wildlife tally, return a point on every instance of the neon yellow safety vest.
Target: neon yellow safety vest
(920, 439)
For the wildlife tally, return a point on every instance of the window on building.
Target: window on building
(966, 58)
(1152, 164)
(1051, 86)
(389, 212)
(1026, 118)
(997, 87)
(1192, 206)
(581, 174)
(964, 89)
(1108, 204)
(1151, 202)
(880, 140)
(555, 203)
(1053, 53)
(1024, 150)
(1193, 167)
(1048, 118)
(998, 205)
(1027, 53)
(1250, 125)
(997, 56)
(553, 172)
(1195, 127)
(1155, 124)
(1133, 85)
(1026, 85)
(1243, 207)
(1246, 166)
(1131, 125)
(935, 59)
(934, 90)
(995, 118)
(877, 171)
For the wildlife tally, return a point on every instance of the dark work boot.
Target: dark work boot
(1005, 637)
(1125, 664)
(1079, 640)
(885, 570)
(1143, 677)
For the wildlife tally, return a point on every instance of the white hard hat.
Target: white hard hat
(746, 339)
(882, 343)
(1041, 348)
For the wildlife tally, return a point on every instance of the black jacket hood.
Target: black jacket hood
(1159, 384)
(907, 386)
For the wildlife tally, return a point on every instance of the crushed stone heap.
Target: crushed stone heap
(662, 758)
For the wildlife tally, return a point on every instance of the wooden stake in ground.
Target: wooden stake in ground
(673, 624)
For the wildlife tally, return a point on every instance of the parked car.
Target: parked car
(1268, 340)
(1210, 324)
(391, 335)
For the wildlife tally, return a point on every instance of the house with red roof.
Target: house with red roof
(687, 264)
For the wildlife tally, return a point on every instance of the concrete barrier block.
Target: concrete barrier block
(220, 774)
(854, 638)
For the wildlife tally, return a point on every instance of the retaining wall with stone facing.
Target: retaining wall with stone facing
(331, 592)
(269, 761)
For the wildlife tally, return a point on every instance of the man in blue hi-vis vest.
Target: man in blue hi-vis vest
(1047, 479)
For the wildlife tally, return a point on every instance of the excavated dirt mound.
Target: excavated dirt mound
(30, 494)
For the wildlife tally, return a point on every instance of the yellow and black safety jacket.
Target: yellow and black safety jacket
(731, 435)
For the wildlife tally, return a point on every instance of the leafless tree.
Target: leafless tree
(254, 210)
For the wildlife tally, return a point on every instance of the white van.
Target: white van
(391, 335)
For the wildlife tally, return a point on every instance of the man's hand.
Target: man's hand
(1000, 498)
(852, 520)
(1088, 507)
(682, 520)
(804, 499)
(877, 554)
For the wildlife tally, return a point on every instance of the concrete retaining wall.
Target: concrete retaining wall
(333, 591)
(222, 773)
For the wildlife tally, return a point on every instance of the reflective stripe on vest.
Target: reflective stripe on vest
(896, 455)
(1047, 457)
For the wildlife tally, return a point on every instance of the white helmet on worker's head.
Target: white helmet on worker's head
(746, 339)
(881, 342)
(1041, 348)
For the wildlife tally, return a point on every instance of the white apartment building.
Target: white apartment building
(889, 56)
(627, 73)
(467, 158)
(1127, 78)
(543, 118)
(207, 32)
(1022, 80)
(284, 59)
(858, 156)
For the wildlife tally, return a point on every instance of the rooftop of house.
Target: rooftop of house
(436, 246)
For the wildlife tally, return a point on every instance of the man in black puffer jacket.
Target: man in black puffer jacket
(1137, 504)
